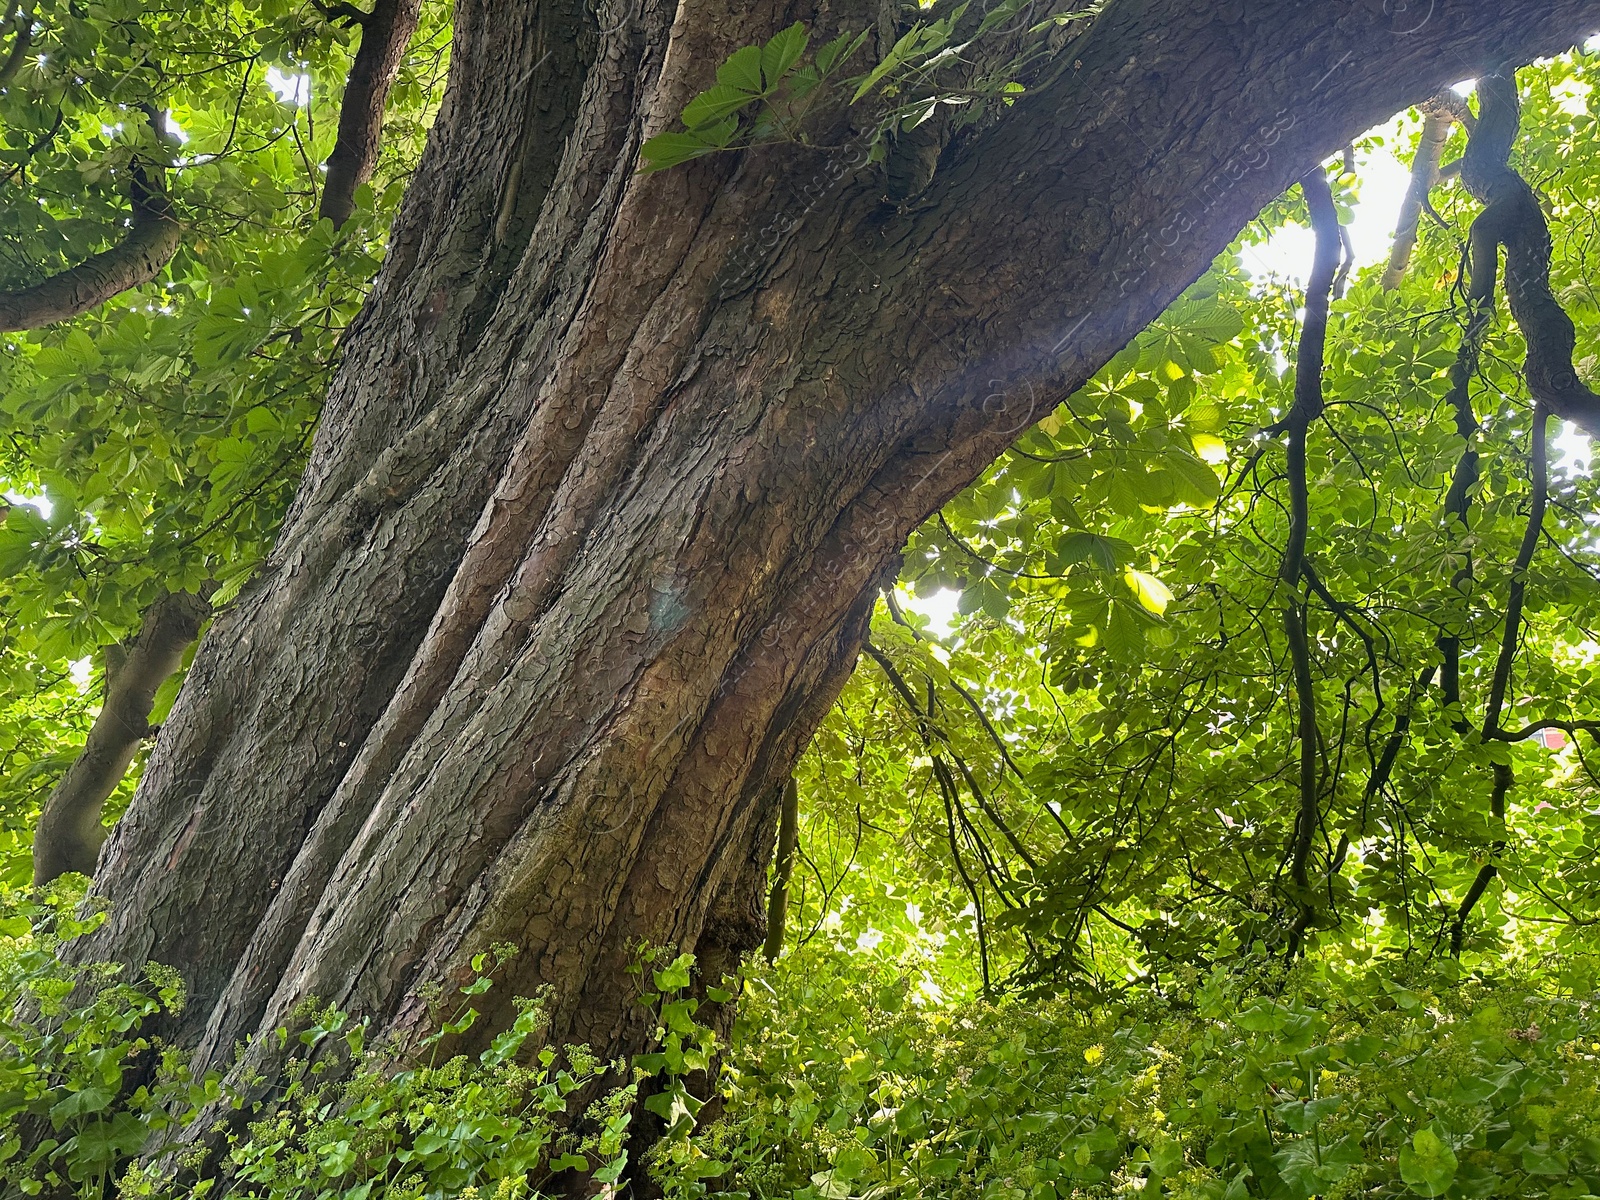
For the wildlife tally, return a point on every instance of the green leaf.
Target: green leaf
(98, 1146)
(675, 1106)
(612, 1171)
(81, 1103)
(669, 149)
(742, 70)
(1304, 1115)
(781, 53)
(713, 105)
(1106, 553)
(916, 40)
(675, 976)
(1428, 1165)
(1199, 486)
(1148, 590)
(839, 50)
(1542, 1160)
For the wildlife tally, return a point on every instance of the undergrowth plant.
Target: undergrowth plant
(1340, 1078)
(91, 1106)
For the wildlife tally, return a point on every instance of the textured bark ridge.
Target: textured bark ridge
(615, 465)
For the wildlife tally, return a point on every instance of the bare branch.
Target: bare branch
(783, 869)
(70, 833)
(384, 34)
(1307, 407)
(1424, 174)
(152, 240)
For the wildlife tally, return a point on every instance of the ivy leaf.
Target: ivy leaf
(1428, 1165)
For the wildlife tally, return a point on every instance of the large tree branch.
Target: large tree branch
(151, 241)
(69, 834)
(385, 31)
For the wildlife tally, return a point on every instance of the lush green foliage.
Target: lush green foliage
(84, 1094)
(1345, 1078)
(1098, 764)
(1046, 938)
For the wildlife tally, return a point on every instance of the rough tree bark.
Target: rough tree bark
(615, 464)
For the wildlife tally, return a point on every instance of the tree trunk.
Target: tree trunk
(616, 464)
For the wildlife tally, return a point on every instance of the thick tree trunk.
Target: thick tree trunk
(615, 466)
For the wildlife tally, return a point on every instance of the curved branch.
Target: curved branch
(1537, 727)
(70, 833)
(1518, 224)
(384, 34)
(153, 236)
